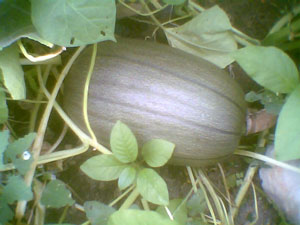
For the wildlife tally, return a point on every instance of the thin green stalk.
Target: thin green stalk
(267, 160)
(34, 112)
(82, 136)
(192, 178)
(213, 195)
(63, 216)
(243, 189)
(284, 20)
(86, 92)
(121, 196)
(130, 199)
(210, 208)
(255, 205)
(145, 204)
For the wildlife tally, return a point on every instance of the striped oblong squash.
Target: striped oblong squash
(159, 92)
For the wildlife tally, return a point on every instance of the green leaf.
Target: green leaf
(16, 21)
(15, 190)
(56, 195)
(18, 153)
(207, 36)
(152, 187)
(123, 143)
(97, 212)
(126, 177)
(6, 213)
(3, 108)
(59, 224)
(20, 145)
(270, 67)
(12, 72)
(103, 167)
(72, 23)
(196, 204)
(138, 217)
(287, 139)
(4, 135)
(178, 210)
(157, 152)
(174, 2)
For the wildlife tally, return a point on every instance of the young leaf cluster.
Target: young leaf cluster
(124, 166)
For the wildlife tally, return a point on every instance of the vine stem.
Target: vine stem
(37, 145)
(247, 179)
(86, 92)
(130, 199)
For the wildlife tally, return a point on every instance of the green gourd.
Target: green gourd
(159, 92)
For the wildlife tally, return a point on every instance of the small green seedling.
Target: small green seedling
(123, 165)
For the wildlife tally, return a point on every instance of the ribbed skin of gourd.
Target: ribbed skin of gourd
(159, 92)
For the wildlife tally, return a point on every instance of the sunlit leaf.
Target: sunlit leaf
(123, 143)
(126, 177)
(157, 152)
(74, 22)
(207, 35)
(103, 167)
(270, 67)
(152, 187)
(287, 135)
(139, 217)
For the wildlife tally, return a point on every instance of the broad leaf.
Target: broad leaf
(139, 217)
(178, 209)
(18, 153)
(152, 187)
(207, 36)
(16, 21)
(126, 177)
(74, 22)
(157, 152)
(12, 72)
(97, 212)
(287, 135)
(270, 67)
(15, 190)
(56, 195)
(103, 167)
(123, 143)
